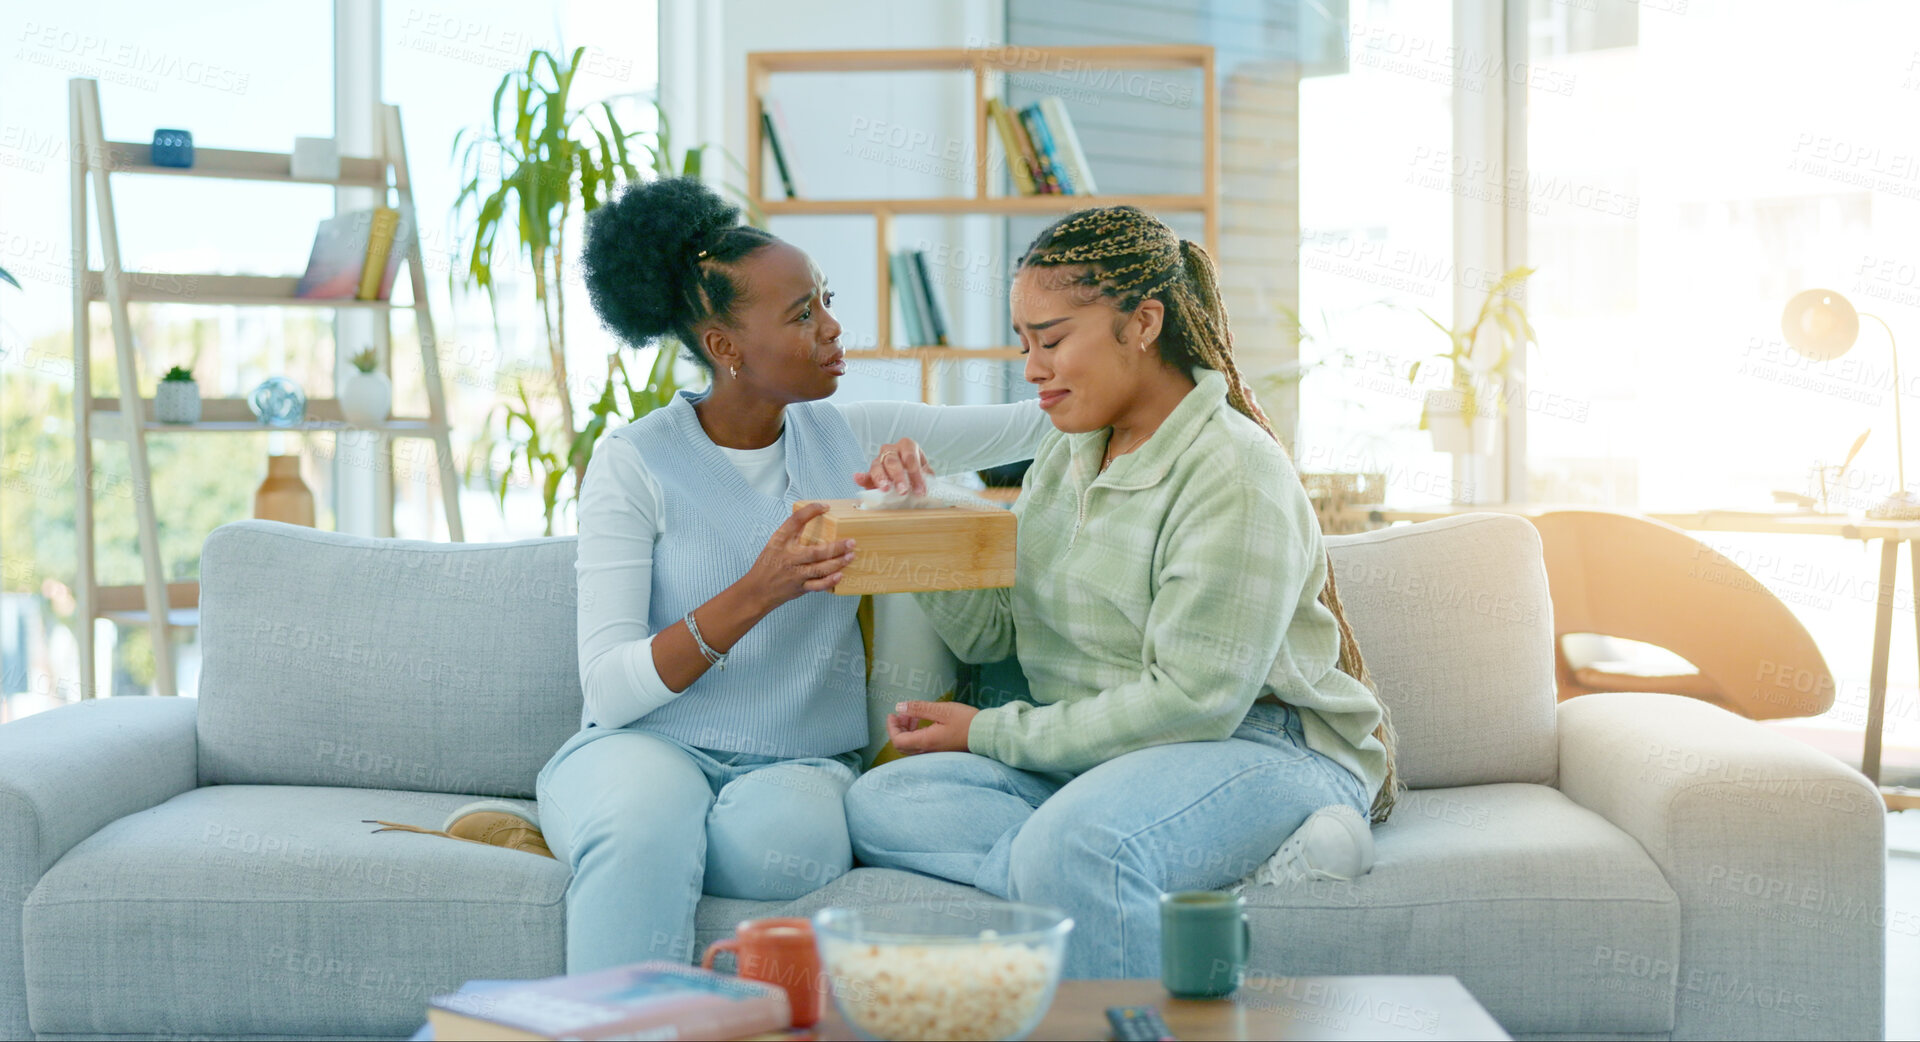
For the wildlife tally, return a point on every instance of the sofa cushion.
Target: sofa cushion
(860, 888)
(239, 910)
(1555, 920)
(338, 660)
(1454, 621)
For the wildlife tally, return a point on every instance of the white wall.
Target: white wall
(883, 135)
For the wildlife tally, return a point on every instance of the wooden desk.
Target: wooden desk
(1266, 1008)
(1890, 534)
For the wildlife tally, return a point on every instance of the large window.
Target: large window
(1376, 245)
(218, 70)
(207, 67)
(1703, 163)
(441, 64)
(1681, 197)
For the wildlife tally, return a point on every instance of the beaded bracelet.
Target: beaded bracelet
(714, 658)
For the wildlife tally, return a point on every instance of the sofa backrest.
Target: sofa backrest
(1455, 624)
(331, 659)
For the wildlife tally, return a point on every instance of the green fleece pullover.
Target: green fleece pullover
(1155, 602)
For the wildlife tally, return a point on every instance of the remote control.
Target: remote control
(1138, 1024)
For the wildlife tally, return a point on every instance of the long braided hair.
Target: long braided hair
(1127, 256)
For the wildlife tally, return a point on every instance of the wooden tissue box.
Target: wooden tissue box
(907, 551)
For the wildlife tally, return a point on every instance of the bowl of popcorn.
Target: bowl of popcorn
(960, 968)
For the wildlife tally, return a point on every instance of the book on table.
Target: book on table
(645, 1000)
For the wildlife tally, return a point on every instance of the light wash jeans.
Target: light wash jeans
(1104, 845)
(648, 824)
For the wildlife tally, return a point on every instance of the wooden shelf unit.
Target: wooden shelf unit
(160, 605)
(234, 414)
(254, 291)
(983, 63)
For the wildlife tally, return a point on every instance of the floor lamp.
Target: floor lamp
(1821, 325)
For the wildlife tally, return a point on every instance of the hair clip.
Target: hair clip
(702, 255)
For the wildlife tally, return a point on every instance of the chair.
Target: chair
(1620, 575)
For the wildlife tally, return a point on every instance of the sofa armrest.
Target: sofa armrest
(1776, 850)
(65, 774)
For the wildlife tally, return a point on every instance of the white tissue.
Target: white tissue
(938, 495)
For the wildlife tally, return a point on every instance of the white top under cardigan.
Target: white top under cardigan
(620, 512)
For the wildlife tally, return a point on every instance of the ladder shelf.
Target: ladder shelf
(161, 605)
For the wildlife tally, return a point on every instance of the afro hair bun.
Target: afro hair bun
(640, 259)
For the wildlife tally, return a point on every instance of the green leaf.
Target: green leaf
(7, 277)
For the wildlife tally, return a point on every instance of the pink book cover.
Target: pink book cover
(339, 253)
(644, 1000)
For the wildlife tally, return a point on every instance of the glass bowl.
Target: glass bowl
(278, 402)
(962, 968)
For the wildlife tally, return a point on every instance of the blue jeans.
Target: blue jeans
(1104, 845)
(648, 824)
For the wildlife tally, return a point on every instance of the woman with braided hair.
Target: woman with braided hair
(1197, 699)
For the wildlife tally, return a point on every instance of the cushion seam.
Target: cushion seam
(106, 900)
(39, 833)
(1251, 907)
(313, 537)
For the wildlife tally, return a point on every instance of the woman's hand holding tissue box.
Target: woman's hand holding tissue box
(914, 534)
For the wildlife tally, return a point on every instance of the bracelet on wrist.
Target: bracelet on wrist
(716, 659)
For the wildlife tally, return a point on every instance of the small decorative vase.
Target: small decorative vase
(366, 398)
(177, 401)
(1447, 423)
(283, 496)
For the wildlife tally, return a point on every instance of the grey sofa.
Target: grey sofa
(1618, 866)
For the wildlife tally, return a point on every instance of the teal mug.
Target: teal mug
(1204, 940)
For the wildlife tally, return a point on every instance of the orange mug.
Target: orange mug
(780, 952)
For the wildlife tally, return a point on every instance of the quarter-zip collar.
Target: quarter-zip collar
(1149, 464)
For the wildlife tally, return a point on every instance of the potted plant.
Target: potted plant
(366, 395)
(177, 399)
(1461, 414)
(543, 164)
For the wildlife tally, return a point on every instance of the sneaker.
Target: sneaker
(1333, 843)
(496, 823)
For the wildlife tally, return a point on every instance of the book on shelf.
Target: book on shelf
(905, 277)
(386, 221)
(645, 1000)
(1067, 144)
(1013, 141)
(929, 300)
(1056, 175)
(357, 255)
(774, 125)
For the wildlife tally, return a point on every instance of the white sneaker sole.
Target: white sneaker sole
(508, 807)
(1334, 843)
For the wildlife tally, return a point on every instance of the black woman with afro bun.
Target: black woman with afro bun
(725, 693)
